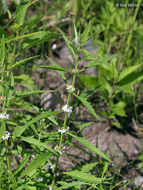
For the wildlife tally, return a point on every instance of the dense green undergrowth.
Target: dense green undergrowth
(32, 140)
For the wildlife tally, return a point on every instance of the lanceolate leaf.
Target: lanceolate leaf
(36, 142)
(84, 125)
(132, 77)
(89, 92)
(21, 13)
(86, 168)
(69, 44)
(87, 105)
(44, 37)
(2, 53)
(68, 185)
(76, 34)
(60, 72)
(22, 164)
(98, 61)
(89, 146)
(1, 129)
(127, 71)
(21, 62)
(83, 177)
(54, 67)
(36, 163)
(85, 33)
(36, 34)
(10, 89)
(30, 92)
(19, 130)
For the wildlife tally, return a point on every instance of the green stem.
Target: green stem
(65, 122)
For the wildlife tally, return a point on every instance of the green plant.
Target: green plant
(120, 77)
(32, 138)
(21, 129)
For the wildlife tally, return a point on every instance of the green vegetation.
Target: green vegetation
(103, 38)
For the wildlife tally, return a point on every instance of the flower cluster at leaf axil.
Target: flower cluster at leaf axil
(4, 116)
(63, 130)
(52, 166)
(67, 109)
(6, 136)
(70, 88)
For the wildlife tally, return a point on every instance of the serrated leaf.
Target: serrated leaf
(89, 146)
(21, 165)
(35, 34)
(1, 129)
(60, 72)
(19, 130)
(36, 142)
(87, 105)
(84, 125)
(88, 167)
(30, 92)
(69, 44)
(38, 39)
(89, 92)
(51, 118)
(68, 185)
(132, 77)
(105, 168)
(54, 67)
(24, 105)
(21, 12)
(88, 39)
(10, 89)
(36, 163)
(76, 34)
(89, 81)
(118, 109)
(22, 62)
(88, 55)
(85, 33)
(127, 71)
(83, 177)
(99, 61)
(25, 81)
(2, 55)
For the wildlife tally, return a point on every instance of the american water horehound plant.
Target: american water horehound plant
(30, 131)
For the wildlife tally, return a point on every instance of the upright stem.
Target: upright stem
(65, 121)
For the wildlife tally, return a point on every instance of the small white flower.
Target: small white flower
(50, 188)
(62, 131)
(40, 179)
(125, 181)
(56, 147)
(52, 166)
(70, 88)
(4, 116)
(60, 152)
(54, 46)
(67, 109)
(5, 137)
(63, 147)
